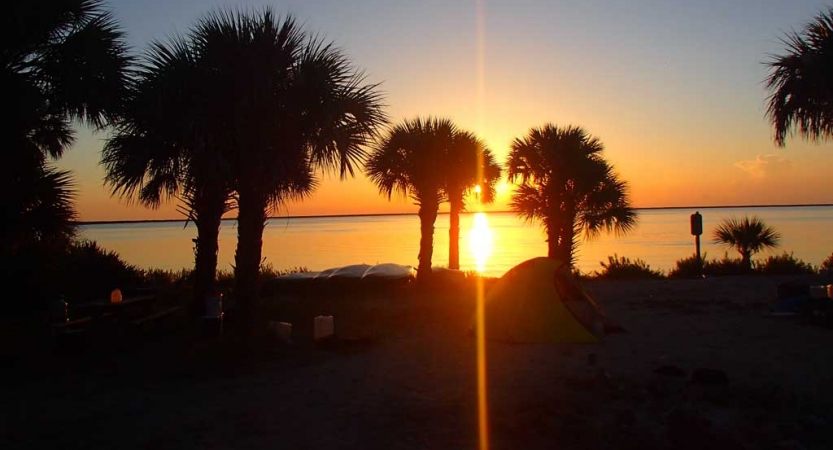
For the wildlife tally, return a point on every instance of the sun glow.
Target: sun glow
(480, 241)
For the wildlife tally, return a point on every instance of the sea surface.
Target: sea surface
(491, 242)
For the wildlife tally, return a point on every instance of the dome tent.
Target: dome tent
(539, 301)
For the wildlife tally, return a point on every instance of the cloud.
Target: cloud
(764, 165)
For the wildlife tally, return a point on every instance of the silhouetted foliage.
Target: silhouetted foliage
(61, 61)
(688, 267)
(623, 268)
(169, 143)
(827, 264)
(468, 164)
(784, 264)
(291, 104)
(800, 84)
(408, 161)
(566, 184)
(725, 266)
(748, 236)
(90, 272)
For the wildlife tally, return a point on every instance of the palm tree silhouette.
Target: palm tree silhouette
(169, 143)
(468, 164)
(62, 63)
(293, 105)
(748, 236)
(800, 83)
(408, 161)
(567, 185)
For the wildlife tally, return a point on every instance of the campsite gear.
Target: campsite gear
(323, 327)
(539, 301)
(115, 296)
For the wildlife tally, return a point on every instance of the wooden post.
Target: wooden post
(697, 230)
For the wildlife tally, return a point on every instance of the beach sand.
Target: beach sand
(411, 382)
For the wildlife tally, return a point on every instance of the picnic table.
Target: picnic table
(136, 310)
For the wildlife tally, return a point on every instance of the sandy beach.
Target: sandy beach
(410, 381)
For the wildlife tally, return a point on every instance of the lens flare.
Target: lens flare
(480, 241)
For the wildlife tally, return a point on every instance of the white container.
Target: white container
(323, 327)
(819, 292)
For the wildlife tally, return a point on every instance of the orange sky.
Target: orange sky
(679, 108)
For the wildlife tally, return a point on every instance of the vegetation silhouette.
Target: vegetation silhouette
(800, 83)
(567, 186)
(61, 63)
(468, 165)
(748, 236)
(408, 161)
(170, 142)
(293, 105)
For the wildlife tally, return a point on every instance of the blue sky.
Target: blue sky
(672, 88)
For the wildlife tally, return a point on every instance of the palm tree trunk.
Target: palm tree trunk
(552, 238)
(746, 260)
(205, 261)
(568, 230)
(427, 217)
(251, 219)
(207, 220)
(454, 231)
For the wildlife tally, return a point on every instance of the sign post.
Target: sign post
(697, 230)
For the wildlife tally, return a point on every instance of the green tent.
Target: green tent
(539, 301)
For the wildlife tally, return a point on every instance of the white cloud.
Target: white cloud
(764, 165)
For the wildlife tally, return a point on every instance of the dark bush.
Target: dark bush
(827, 264)
(725, 266)
(89, 273)
(623, 268)
(784, 264)
(688, 267)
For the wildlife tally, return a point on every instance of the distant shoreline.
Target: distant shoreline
(116, 222)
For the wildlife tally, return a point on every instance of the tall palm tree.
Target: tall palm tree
(567, 185)
(60, 61)
(748, 236)
(468, 164)
(169, 143)
(294, 105)
(801, 83)
(407, 161)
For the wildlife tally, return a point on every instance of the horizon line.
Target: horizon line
(326, 216)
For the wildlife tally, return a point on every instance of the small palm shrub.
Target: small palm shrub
(623, 268)
(688, 267)
(748, 236)
(784, 264)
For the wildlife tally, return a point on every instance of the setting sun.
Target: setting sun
(480, 241)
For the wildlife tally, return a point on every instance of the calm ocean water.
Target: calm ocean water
(661, 238)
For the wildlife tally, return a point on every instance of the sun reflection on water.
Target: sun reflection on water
(480, 241)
